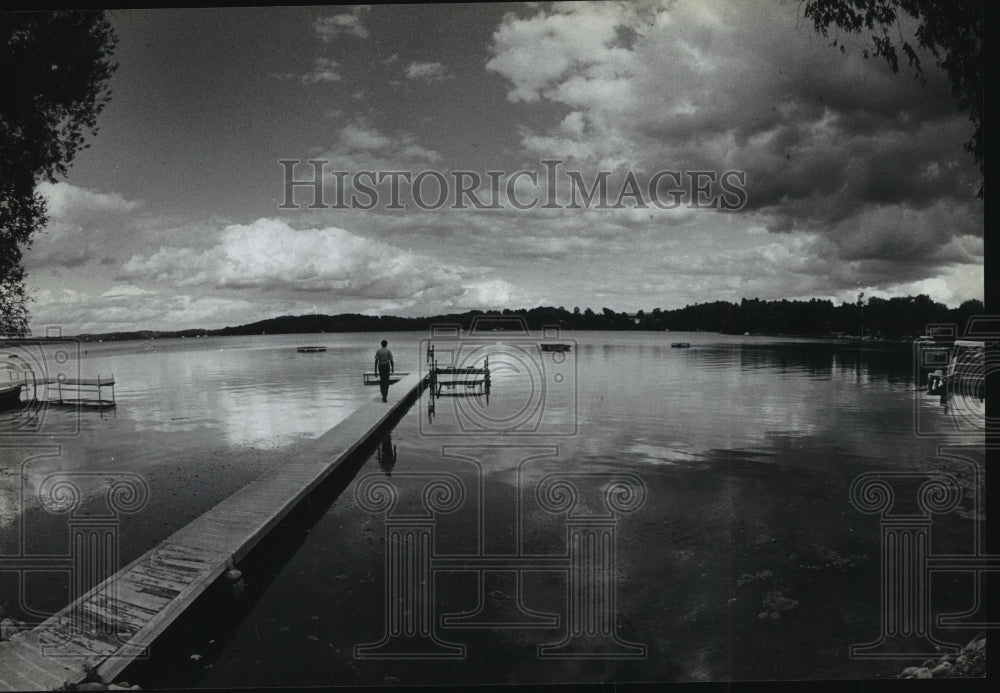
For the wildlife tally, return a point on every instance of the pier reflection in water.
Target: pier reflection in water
(386, 454)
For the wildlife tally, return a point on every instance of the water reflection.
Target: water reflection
(633, 393)
(747, 448)
(386, 454)
(248, 390)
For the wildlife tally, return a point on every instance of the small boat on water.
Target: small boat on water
(310, 349)
(554, 346)
(680, 345)
(10, 397)
(373, 378)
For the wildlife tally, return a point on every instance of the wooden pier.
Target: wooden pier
(99, 634)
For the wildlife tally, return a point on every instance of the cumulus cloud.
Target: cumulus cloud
(867, 165)
(491, 294)
(721, 85)
(267, 268)
(361, 146)
(330, 27)
(272, 256)
(137, 309)
(427, 72)
(126, 291)
(80, 222)
(324, 70)
(358, 135)
(546, 54)
(65, 202)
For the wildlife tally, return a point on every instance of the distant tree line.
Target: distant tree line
(899, 317)
(892, 318)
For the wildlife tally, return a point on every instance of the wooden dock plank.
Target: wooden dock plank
(154, 576)
(140, 601)
(89, 642)
(39, 672)
(18, 677)
(142, 593)
(24, 669)
(60, 641)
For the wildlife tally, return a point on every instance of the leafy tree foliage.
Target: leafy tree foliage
(54, 73)
(949, 30)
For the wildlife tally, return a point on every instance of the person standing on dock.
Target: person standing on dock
(384, 366)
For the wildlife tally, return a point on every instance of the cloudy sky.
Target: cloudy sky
(844, 177)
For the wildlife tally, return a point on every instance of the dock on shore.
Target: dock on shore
(98, 635)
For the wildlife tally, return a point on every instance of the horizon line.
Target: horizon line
(50, 328)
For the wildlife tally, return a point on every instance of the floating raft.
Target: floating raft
(373, 378)
(310, 349)
(554, 346)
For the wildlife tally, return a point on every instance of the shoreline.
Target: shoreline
(14, 342)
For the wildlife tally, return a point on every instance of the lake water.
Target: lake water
(715, 480)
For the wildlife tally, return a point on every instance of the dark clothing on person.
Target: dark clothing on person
(384, 366)
(383, 374)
